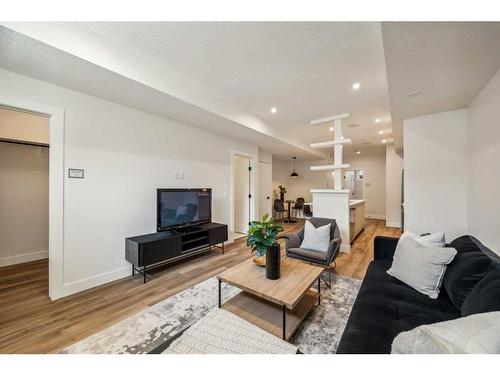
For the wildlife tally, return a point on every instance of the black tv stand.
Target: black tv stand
(186, 229)
(156, 249)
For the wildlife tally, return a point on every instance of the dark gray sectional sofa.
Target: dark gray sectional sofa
(385, 306)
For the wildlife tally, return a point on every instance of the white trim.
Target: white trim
(380, 217)
(253, 181)
(328, 144)
(328, 119)
(345, 248)
(23, 258)
(56, 188)
(97, 280)
(330, 167)
(393, 224)
(330, 191)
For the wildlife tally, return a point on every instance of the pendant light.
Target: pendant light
(294, 173)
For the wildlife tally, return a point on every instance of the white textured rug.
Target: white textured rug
(222, 332)
(319, 333)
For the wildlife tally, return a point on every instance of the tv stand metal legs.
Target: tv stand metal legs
(143, 271)
(220, 247)
(220, 292)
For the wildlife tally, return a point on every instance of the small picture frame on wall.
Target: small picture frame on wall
(76, 173)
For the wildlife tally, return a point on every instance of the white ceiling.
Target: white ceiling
(226, 76)
(448, 62)
(24, 55)
(304, 69)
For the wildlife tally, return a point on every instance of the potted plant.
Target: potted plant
(263, 240)
(282, 192)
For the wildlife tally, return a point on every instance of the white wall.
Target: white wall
(393, 170)
(372, 163)
(24, 203)
(435, 164)
(484, 164)
(126, 155)
(15, 125)
(298, 187)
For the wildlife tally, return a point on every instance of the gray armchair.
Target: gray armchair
(320, 258)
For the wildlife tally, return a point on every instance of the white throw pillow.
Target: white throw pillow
(421, 267)
(474, 334)
(430, 240)
(316, 238)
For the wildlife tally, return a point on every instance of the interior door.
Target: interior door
(265, 188)
(242, 194)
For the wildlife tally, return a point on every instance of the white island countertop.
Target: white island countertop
(355, 202)
(352, 202)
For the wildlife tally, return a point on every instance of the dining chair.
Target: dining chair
(307, 211)
(279, 209)
(299, 206)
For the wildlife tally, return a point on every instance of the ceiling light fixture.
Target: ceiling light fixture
(331, 128)
(384, 140)
(294, 174)
(380, 132)
(274, 110)
(356, 85)
(377, 120)
(358, 152)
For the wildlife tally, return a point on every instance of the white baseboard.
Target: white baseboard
(93, 281)
(380, 217)
(23, 258)
(345, 248)
(393, 224)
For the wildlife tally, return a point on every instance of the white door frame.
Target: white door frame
(56, 188)
(269, 202)
(253, 189)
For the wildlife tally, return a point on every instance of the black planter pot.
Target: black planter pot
(273, 262)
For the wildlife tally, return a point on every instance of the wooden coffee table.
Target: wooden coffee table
(277, 306)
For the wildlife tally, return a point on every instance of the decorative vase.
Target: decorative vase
(260, 261)
(273, 262)
(282, 197)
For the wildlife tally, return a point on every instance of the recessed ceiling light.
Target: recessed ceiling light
(274, 110)
(380, 132)
(356, 85)
(331, 128)
(384, 140)
(358, 152)
(377, 120)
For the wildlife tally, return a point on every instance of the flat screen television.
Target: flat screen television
(177, 208)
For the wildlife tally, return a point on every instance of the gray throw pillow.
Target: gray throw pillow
(421, 267)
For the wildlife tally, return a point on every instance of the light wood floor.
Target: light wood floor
(31, 323)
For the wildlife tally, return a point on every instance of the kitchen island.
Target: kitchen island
(356, 217)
